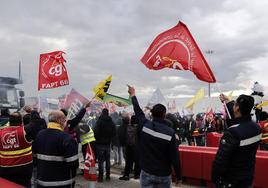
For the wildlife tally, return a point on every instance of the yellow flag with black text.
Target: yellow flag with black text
(101, 88)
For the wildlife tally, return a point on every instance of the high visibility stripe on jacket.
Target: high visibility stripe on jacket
(56, 183)
(87, 137)
(15, 150)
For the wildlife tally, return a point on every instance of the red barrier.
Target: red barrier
(213, 139)
(196, 164)
(260, 178)
(9, 184)
(192, 159)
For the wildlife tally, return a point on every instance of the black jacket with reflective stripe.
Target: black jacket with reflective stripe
(157, 145)
(235, 160)
(56, 156)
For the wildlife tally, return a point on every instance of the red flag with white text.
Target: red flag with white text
(52, 71)
(177, 49)
(90, 167)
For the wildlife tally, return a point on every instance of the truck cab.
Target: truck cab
(10, 96)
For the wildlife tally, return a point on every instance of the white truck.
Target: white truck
(10, 96)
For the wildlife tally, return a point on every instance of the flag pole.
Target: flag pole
(65, 99)
(224, 103)
(39, 102)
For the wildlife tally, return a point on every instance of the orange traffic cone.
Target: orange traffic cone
(90, 168)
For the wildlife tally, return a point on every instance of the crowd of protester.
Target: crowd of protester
(47, 152)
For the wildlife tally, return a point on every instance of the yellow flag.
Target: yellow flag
(263, 103)
(198, 96)
(230, 96)
(101, 88)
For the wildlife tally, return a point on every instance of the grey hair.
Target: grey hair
(53, 117)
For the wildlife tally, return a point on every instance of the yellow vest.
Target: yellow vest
(87, 137)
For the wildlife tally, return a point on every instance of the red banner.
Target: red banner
(52, 72)
(177, 49)
(74, 97)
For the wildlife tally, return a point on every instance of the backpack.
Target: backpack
(131, 135)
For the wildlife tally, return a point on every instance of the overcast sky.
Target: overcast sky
(110, 37)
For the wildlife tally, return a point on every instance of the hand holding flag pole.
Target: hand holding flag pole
(223, 100)
(131, 90)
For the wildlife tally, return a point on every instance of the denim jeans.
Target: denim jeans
(152, 181)
(117, 150)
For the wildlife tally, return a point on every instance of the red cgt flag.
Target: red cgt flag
(177, 49)
(52, 72)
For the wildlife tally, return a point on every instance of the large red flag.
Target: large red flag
(52, 72)
(177, 49)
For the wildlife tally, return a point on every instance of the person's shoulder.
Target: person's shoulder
(234, 130)
(43, 131)
(42, 134)
(164, 128)
(256, 126)
(65, 136)
(169, 130)
(250, 125)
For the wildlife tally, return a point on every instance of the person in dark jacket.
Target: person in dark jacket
(72, 124)
(27, 116)
(56, 154)
(122, 133)
(175, 125)
(132, 150)
(189, 129)
(35, 125)
(122, 130)
(157, 146)
(104, 132)
(4, 117)
(116, 145)
(234, 163)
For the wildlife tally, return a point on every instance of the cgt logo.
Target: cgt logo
(10, 140)
(56, 70)
(52, 65)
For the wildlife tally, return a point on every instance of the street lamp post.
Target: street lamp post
(209, 52)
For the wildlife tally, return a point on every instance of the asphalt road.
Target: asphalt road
(115, 182)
